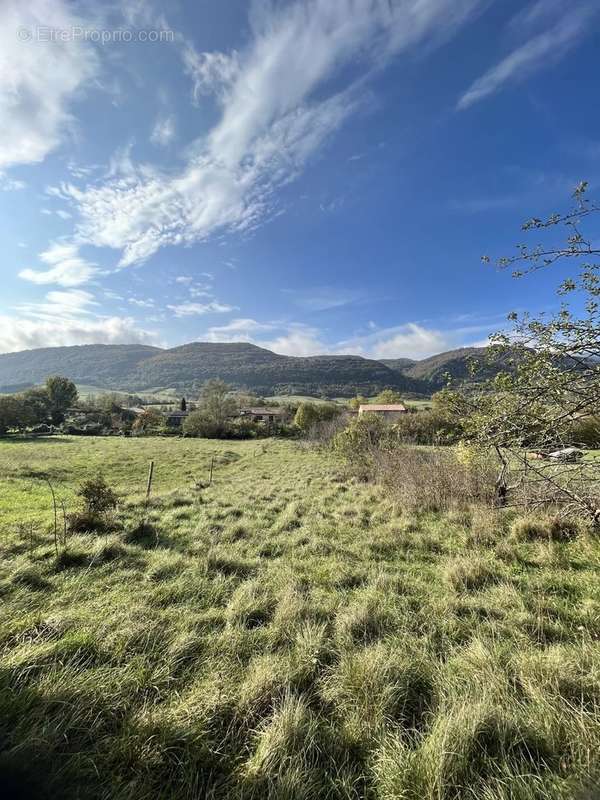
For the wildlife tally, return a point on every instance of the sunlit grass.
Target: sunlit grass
(287, 632)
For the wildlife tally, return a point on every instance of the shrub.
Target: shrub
(427, 427)
(244, 428)
(199, 423)
(361, 439)
(148, 421)
(585, 431)
(98, 497)
(306, 416)
(434, 479)
(312, 417)
(98, 501)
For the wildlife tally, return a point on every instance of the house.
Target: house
(269, 415)
(175, 419)
(389, 412)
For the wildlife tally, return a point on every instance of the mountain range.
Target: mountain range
(136, 368)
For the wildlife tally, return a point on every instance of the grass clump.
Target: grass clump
(471, 573)
(296, 634)
(554, 529)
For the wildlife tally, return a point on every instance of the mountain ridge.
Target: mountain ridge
(141, 367)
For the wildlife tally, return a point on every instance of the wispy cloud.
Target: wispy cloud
(65, 267)
(199, 309)
(276, 113)
(163, 131)
(538, 52)
(38, 81)
(11, 184)
(324, 298)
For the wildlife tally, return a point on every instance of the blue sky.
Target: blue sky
(312, 175)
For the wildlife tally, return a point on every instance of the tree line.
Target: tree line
(45, 405)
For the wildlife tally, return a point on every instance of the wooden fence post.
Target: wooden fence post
(55, 515)
(150, 475)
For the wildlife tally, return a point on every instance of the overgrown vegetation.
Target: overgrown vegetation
(553, 388)
(289, 631)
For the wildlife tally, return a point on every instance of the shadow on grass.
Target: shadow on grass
(17, 781)
(25, 438)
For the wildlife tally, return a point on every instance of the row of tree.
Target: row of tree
(46, 405)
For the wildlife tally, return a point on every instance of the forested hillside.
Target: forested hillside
(138, 368)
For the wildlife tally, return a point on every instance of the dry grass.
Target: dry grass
(433, 478)
(290, 633)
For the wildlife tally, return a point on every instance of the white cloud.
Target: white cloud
(11, 184)
(25, 334)
(210, 72)
(300, 340)
(238, 330)
(163, 132)
(197, 309)
(411, 340)
(66, 318)
(323, 298)
(66, 267)
(73, 302)
(275, 115)
(295, 339)
(38, 79)
(134, 301)
(538, 52)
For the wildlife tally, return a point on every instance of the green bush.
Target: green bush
(361, 436)
(99, 500)
(198, 423)
(310, 415)
(585, 431)
(428, 427)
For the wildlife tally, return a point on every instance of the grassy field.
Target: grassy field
(286, 633)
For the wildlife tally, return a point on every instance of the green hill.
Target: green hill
(95, 364)
(139, 368)
(399, 364)
(458, 364)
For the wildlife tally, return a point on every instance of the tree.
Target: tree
(62, 394)
(148, 420)
(531, 409)
(216, 402)
(357, 401)
(199, 423)
(307, 415)
(9, 413)
(183, 404)
(388, 397)
(34, 408)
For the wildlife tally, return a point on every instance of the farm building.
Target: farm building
(389, 412)
(269, 415)
(175, 419)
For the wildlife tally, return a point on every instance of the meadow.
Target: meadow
(287, 632)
